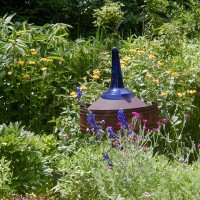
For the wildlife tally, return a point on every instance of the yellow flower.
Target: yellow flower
(26, 76)
(191, 91)
(46, 59)
(122, 65)
(20, 62)
(31, 50)
(179, 94)
(43, 59)
(149, 75)
(174, 74)
(10, 73)
(31, 63)
(140, 52)
(83, 87)
(62, 123)
(156, 80)
(84, 78)
(133, 50)
(160, 63)
(151, 56)
(43, 69)
(73, 94)
(126, 59)
(96, 74)
(49, 60)
(163, 94)
(169, 72)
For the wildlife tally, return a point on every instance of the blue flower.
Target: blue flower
(91, 120)
(79, 93)
(105, 157)
(110, 132)
(122, 118)
(99, 136)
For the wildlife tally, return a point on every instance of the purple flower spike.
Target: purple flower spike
(121, 118)
(110, 132)
(79, 93)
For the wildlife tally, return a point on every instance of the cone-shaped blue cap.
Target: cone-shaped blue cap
(116, 90)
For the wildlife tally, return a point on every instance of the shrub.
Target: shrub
(30, 160)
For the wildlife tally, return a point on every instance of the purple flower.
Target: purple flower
(155, 129)
(99, 136)
(136, 114)
(105, 157)
(66, 136)
(145, 120)
(198, 146)
(159, 123)
(187, 115)
(91, 120)
(122, 118)
(79, 93)
(131, 124)
(116, 143)
(111, 132)
(164, 120)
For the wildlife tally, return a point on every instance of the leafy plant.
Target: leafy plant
(30, 159)
(5, 178)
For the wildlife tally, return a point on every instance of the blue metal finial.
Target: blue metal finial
(116, 90)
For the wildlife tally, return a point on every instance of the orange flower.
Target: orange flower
(191, 91)
(96, 74)
(151, 56)
(20, 62)
(163, 94)
(26, 76)
(126, 59)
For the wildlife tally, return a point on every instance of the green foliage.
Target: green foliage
(170, 82)
(100, 171)
(30, 159)
(109, 15)
(38, 66)
(181, 17)
(5, 178)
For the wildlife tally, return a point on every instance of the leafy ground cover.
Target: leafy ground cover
(44, 154)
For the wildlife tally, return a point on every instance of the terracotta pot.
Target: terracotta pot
(150, 113)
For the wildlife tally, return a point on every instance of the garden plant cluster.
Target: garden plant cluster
(44, 79)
